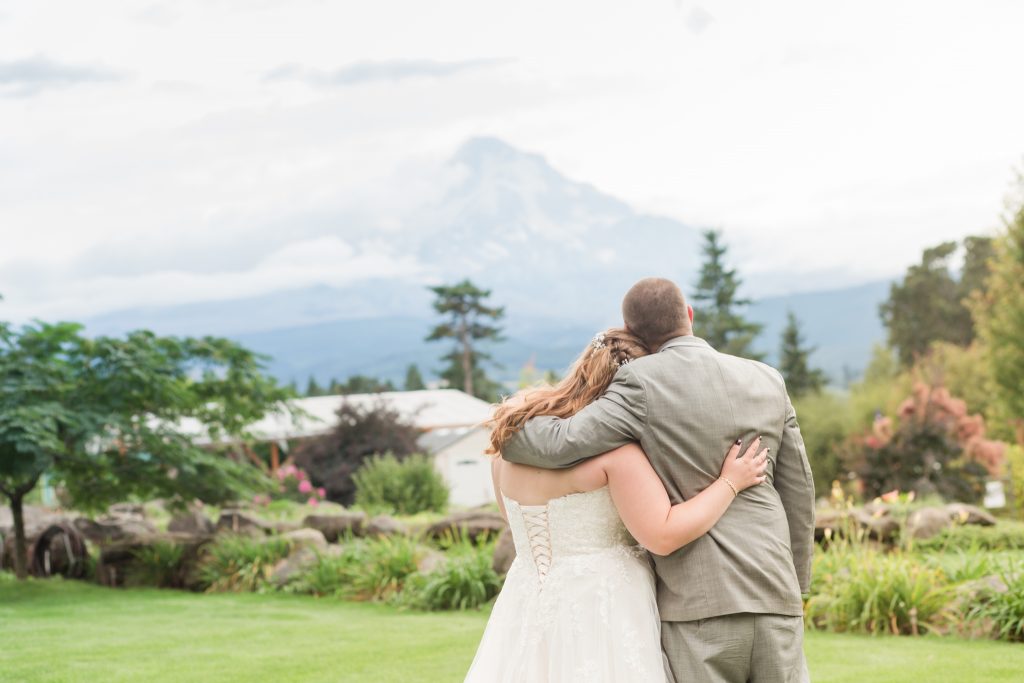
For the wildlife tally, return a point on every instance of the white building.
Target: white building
(451, 422)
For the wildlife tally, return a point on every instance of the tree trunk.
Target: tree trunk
(467, 361)
(20, 545)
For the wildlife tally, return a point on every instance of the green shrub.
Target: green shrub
(332, 575)
(239, 564)
(365, 569)
(465, 580)
(826, 419)
(158, 565)
(1004, 609)
(1006, 535)
(405, 487)
(862, 590)
(389, 561)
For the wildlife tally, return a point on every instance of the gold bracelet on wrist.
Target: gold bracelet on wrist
(735, 491)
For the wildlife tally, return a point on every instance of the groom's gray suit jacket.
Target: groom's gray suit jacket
(686, 404)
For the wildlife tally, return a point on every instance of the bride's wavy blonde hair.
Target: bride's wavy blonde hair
(588, 378)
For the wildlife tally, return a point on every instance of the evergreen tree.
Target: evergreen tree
(469, 321)
(312, 388)
(999, 312)
(794, 361)
(361, 384)
(413, 379)
(716, 299)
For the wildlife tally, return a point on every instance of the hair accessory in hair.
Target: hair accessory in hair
(598, 341)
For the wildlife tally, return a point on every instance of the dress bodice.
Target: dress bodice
(578, 602)
(578, 524)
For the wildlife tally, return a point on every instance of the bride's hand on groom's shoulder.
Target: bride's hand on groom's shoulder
(744, 471)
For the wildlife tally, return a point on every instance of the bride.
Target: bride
(578, 603)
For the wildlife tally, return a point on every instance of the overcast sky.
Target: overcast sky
(145, 146)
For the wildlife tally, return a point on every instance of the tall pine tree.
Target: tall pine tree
(468, 322)
(716, 299)
(794, 361)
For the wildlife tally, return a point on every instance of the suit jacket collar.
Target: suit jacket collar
(687, 340)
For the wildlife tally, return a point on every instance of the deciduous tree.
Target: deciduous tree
(102, 416)
(999, 312)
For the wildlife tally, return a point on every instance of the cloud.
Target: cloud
(698, 19)
(368, 72)
(159, 14)
(33, 74)
(37, 290)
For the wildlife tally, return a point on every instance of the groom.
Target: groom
(730, 601)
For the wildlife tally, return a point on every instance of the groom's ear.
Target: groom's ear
(689, 312)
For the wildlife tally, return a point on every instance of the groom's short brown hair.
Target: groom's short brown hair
(654, 309)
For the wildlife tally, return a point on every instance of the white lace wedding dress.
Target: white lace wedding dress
(578, 602)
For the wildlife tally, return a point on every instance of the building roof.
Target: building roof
(439, 439)
(429, 409)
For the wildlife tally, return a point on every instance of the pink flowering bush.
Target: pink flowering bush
(293, 484)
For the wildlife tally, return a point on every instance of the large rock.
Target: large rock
(472, 524)
(429, 561)
(293, 565)
(962, 513)
(383, 525)
(927, 522)
(116, 559)
(504, 553)
(305, 538)
(879, 526)
(240, 522)
(109, 529)
(828, 523)
(192, 521)
(336, 526)
(127, 510)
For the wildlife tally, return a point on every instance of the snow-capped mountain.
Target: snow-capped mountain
(557, 253)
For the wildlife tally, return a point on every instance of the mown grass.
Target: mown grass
(55, 631)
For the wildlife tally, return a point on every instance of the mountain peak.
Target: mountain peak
(484, 151)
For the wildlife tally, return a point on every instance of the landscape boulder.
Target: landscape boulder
(429, 561)
(239, 522)
(115, 562)
(927, 522)
(335, 526)
(879, 526)
(305, 538)
(114, 529)
(192, 521)
(961, 513)
(293, 565)
(473, 524)
(126, 510)
(383, 525)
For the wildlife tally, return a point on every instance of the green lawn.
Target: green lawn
(69, 631)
